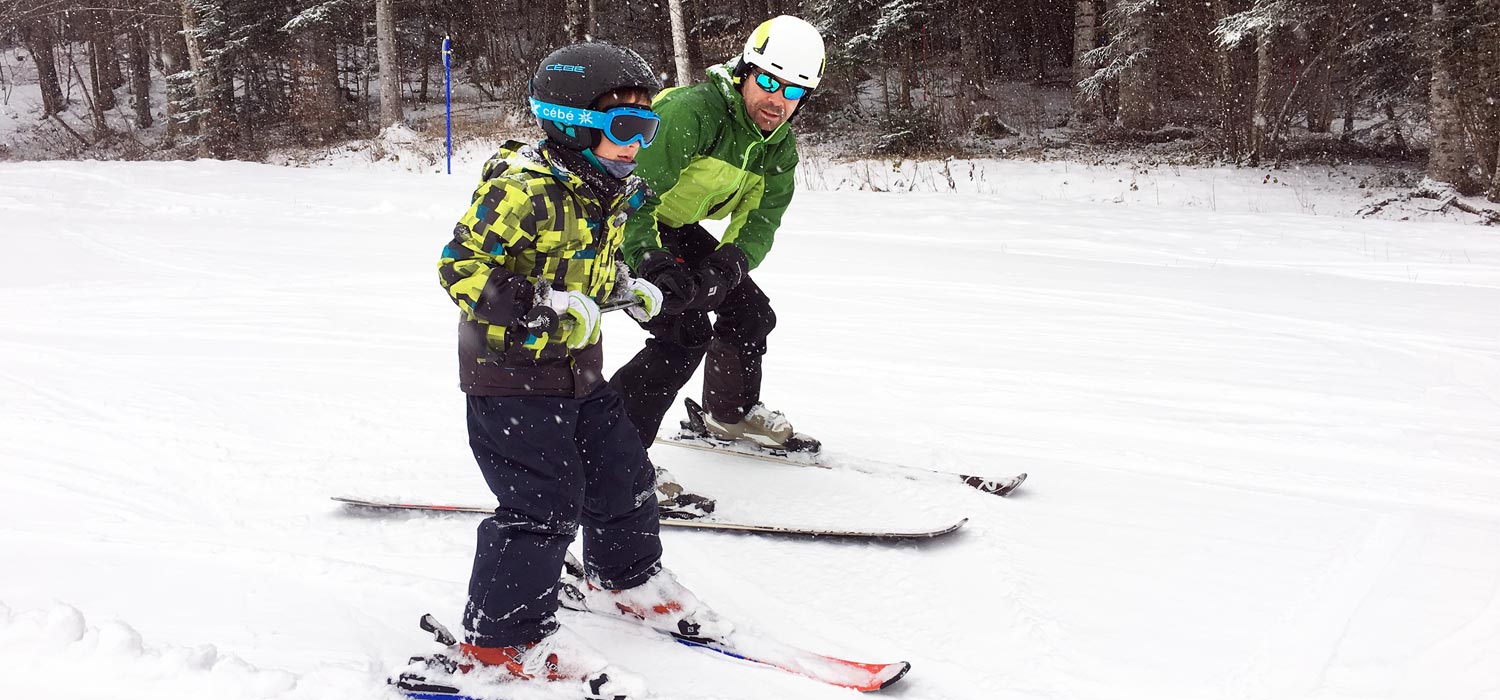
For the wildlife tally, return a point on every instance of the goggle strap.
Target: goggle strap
(603, 121)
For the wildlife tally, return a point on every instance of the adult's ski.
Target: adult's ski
(694, 435)
(706, 523)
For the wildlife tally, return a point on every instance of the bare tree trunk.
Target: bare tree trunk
(1349, 107)
(1140, 109)
(690, 19)
(1036, 58)
(1085, 39)
(1494, 193)
(906, 74)
(971, 57)
(680, 43)
(1319, 81)
(426, 65)
(211, 125)
(885, 87)
(316, 100)
(1265, 77)
(576, 20)
(37, 36)
(1235, 75)
(95, 112)
(104, 71)
(174, 60)
(240, 107)
(390, 62)
(1446, 161)
(1390, 115)
(140, 76)
(368, 99)
(103, 35)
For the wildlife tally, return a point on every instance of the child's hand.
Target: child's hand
(580, 318)
(571, 317)
(649, 296)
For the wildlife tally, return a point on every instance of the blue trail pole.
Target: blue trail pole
(448, 98)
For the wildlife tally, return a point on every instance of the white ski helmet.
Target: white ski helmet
(788, 48)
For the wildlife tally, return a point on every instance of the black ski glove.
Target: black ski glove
(718, 275)
(676, 282)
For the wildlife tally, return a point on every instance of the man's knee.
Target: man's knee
(746, 325)
(690, 330)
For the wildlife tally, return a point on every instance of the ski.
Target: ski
(442, 677)
(707, 523)
(694, 435)
(758, 649)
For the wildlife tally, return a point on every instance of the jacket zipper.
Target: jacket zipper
(738, 180)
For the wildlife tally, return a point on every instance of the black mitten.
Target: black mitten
(718, 275)
(676, 282)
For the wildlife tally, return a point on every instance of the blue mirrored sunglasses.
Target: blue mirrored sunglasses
(771, 84)
(621, 125)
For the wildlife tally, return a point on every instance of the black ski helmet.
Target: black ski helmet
(576, 75)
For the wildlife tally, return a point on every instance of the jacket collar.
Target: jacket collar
(602, 194)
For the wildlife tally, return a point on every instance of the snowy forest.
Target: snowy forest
(1237, 81)
(1218, 278)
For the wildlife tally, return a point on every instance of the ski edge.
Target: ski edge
(718, 525)
(880, 675)
(997, 487)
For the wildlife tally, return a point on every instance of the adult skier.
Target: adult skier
(528, 266)
(726, 149)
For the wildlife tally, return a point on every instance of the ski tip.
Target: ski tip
(897, 672)
(931, 534)
(998, 487)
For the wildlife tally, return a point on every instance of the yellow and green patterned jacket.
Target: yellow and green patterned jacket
(531, 220)
(710, 161)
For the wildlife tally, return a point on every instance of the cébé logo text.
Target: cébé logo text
(565, 68)
(567, 116)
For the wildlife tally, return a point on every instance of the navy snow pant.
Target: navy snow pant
(735, 343)
(555, 463)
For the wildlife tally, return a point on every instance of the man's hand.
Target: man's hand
(718, 275)
(676, 282)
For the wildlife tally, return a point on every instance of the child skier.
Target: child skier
(528, 266)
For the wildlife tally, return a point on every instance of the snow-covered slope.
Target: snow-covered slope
(1265, 449)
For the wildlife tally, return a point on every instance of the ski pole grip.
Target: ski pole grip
(619, 304)
(542, 319)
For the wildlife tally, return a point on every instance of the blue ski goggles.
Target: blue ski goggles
(621, 125)
(770, 84)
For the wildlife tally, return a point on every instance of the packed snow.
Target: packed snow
(1264, 444)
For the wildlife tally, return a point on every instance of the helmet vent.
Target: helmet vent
(798, 49)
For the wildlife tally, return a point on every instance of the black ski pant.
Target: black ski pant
(554, 463)
(734, 343)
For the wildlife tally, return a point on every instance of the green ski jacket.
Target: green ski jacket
(711, 161)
